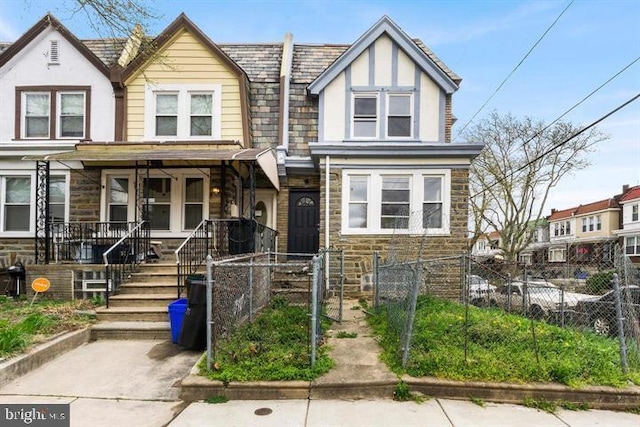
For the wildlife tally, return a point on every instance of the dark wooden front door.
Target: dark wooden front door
(304, 219)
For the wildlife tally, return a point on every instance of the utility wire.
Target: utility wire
(581, 101)
(560, 144)
(495, 92)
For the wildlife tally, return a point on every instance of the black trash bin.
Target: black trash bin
(17, 275)
(193, 334)
(241, 236)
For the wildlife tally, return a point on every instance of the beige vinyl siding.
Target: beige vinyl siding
(185, 61)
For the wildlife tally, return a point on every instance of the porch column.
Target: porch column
(43, 230)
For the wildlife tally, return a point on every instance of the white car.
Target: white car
(480, 290)
(535, 300)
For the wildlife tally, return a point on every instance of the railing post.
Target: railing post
(620, 318)
(209, 308)
(314, 309)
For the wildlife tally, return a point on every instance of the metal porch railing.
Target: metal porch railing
(124, 255)
(219, 238)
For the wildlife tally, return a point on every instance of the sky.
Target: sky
(483, 41)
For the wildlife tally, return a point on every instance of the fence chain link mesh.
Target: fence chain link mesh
(573, 294)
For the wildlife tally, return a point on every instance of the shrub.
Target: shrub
(600, 282)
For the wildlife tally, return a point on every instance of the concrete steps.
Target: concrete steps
(140, 310)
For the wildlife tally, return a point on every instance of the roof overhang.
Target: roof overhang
(396, 149)
(176, 154)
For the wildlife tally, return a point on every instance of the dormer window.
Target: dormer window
(382, 115)
(399, 115)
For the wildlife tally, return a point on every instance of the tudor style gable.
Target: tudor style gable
(385, 88)
(187, 89)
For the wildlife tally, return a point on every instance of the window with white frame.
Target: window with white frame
(190, 111)
(365, 115)
(399, 118)
(358, 201)
(634, 212)
(592, 223)
(526, 259)
(17, 201)
(53, 113)
(632, 245)
(176, 203)
(562, 228)
(386, 201)
(557, 255)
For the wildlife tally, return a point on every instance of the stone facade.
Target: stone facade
(265, 112)
(303, 120)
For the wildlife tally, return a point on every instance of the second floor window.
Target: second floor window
(399, 115)
(634, 212)
(183, 111)
(53, 113)
(365, 116)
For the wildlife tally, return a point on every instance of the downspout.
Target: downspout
(327, 180)
(285, 91)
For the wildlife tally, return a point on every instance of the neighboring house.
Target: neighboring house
(584, 234)
(341, 146)
(629, 232)
(487, 247)
(55, 92)
(536, 250)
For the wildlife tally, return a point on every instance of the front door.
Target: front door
(304, 219)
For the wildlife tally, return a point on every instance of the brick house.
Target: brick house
(345, 146)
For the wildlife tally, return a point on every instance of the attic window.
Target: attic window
(54, 53)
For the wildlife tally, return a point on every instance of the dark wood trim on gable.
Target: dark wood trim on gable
(39, 27)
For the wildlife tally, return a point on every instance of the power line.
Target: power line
(560, 144)
(515, 68)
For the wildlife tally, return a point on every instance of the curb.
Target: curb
(39, 355)
(597, 397)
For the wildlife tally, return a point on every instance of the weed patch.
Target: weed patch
(345, 334)
(500, 348)
(217, 399)
(275, 347)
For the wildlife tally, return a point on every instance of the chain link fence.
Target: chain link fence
(242, 286)
(590, 298)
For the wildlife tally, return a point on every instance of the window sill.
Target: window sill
(390, 232)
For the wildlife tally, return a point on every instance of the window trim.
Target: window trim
(178, 192)
(636, 246)
(184, 92)
(635, 212)
(562, 251)
(388, 115)
(376, 96)
(32, 199)
(54, 102)
(416, 201)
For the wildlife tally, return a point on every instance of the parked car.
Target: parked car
(479, 290)
(536, 300)
(599, 312)
(534, 280)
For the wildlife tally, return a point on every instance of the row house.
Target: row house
(336, 146)
(629, 233)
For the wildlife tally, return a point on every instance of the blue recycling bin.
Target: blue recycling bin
(177, 309)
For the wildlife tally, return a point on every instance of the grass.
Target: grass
(23, 325)
(275, 347)
(345, 334)
(500, 348)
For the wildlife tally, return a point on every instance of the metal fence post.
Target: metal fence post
(620, 318)
(250, 280)
(314, 308)
(417, 279)
(209, 307)
(376, 293)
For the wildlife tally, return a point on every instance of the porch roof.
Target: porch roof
(171, 155)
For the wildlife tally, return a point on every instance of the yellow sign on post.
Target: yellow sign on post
(41, 284)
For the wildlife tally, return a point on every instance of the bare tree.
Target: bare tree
(112, 18)
(511, 179)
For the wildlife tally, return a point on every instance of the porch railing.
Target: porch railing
(83, 242)
(123, 256)
(221, 237)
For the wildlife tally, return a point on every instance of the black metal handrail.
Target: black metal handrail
(221, 237)
(83, 242)
(124, 255)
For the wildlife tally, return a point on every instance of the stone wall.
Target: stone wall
(14, 249)
(265, 111)
(303, 120)
(359, 249)
(84, 197)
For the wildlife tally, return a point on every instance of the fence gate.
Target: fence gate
(331, 283)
